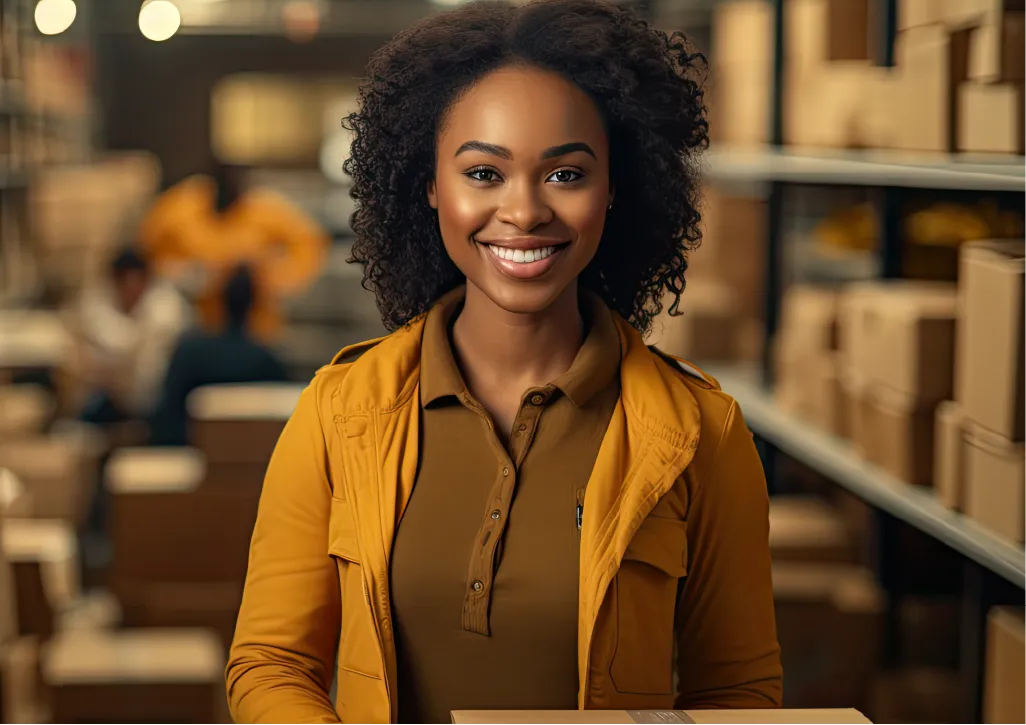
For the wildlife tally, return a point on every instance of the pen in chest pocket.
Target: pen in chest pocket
(580, 515)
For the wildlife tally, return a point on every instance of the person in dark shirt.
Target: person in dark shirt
(204, 359)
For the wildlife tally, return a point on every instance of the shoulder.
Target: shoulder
(719, 411)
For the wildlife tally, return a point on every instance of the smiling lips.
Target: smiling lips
(524, 260)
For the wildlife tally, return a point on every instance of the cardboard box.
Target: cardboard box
(58, 471)
(24, 410)
(931, 62)
(739, 104)
(858, 411)
(821, 31)
(806, 529)
(134, 676)
(829, 624)
(901, 336)
(742, 33)
(996, 53)
(631, 717)
(990, 118)
(990, 335)
(708, 327)
(914, 13)
(827, 105)
(949, 454)
(808, 317)
(829, 413)
(995, 482)
(1004, 672)
(898, 435)
(733, 249)
(240, 423)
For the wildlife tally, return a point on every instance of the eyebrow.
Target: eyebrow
(505, 153)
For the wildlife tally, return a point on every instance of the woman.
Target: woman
(512, 502)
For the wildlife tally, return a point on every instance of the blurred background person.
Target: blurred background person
(127, 327)
(206, 225)
(229, 356)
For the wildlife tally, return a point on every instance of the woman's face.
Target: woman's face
(521, 186)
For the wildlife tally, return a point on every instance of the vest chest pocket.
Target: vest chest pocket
(358, 648)
(646, 602)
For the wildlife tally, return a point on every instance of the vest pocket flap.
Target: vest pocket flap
(662, 543)
(342, 540)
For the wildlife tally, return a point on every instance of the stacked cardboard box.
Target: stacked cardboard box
(828, 606)
(806, 359)
(24, 410)
(980, 435)
(721, 306)
(897, 344)
(741, 81)
(1004, 672)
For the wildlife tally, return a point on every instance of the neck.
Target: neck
(513, 351)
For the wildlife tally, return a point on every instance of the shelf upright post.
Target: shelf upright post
(774, 203)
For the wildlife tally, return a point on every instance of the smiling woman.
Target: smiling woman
(511, 502)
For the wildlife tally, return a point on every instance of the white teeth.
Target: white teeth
(521, 256)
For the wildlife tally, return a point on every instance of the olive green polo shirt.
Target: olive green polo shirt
(484, 572)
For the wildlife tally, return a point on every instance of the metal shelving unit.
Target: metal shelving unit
(993, 570)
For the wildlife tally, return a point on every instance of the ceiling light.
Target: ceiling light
(159, 19)
(53, 17)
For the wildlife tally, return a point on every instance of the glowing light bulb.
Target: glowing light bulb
(159, 20)
(53, 17)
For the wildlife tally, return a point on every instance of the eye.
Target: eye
(483, 174)
(565, 176)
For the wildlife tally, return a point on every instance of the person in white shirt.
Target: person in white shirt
(128, 328)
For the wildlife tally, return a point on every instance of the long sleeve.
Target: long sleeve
(281, 663)
(727, 642)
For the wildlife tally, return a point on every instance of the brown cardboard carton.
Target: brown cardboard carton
(818, 31)
(829, 620)
(995, 479)
(24, 410)
(931, 62)
(632, 717)
(808, 315)
(858, 411)
(914, 13)
(739, 104)
(996, 52)
(806, 529)
(732, 250)
(743, 32)
(900, 335)
(829, 413)
(990, 335)
(135, 675)
(240, 423)
(949, 454)
(990, 118)
(1004, 673)
(58, 471)
(707, 328)
(827, 105)
(899, 435)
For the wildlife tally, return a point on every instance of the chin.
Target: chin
(524, 298)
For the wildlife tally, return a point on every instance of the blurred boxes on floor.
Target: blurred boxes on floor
(1004, 670)
(165, 522)
(897, 344)
(58, 471)
(991, 118)
(829, 625)
(706, 329)
(43, 555)
(995, 473)
(173, 675)
(237, 426)
(739, 105)
(916, 695)
(24, 410)
(949, 455)
(990, 335)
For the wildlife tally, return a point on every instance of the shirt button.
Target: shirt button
(496, 514)
(505, 471)
(537, 399)
(477, 585)
(521, 428)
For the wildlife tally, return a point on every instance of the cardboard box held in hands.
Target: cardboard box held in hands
(642, 717)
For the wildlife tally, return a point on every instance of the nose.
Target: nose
(523, 207)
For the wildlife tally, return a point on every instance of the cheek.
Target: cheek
(461, 211)
(586, 215)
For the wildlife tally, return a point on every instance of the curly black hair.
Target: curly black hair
(647, 86)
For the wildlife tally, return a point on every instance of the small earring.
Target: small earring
(610, 206)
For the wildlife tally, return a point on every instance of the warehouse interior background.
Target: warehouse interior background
(859, 291)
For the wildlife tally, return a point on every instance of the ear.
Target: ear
(432, 194)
